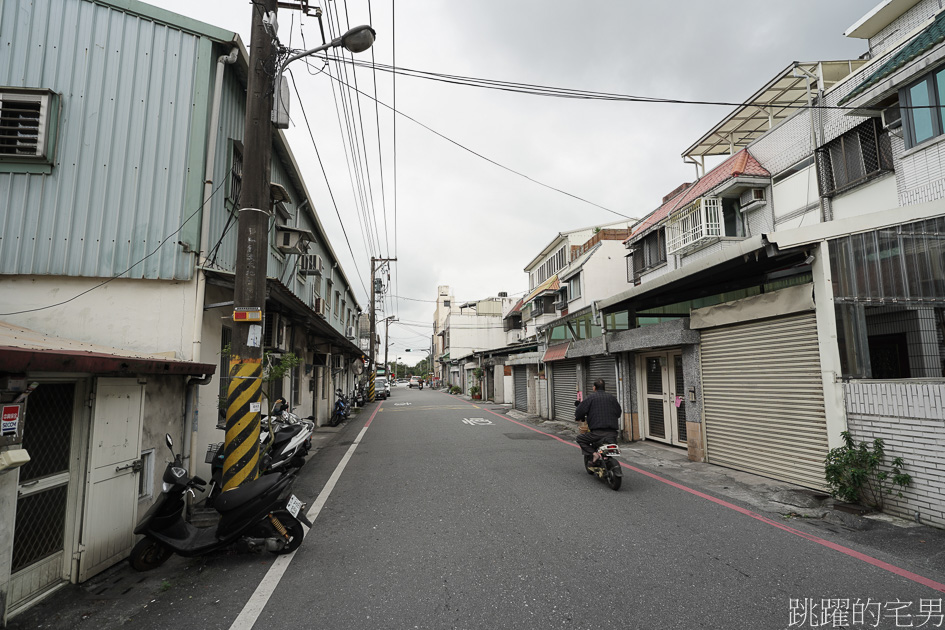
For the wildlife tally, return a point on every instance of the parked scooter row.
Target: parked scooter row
(284, 441)
(260, 514)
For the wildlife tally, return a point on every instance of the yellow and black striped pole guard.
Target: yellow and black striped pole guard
(241, 459)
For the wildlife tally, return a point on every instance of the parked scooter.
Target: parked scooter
(342, 409)
(291, 443)
(606, 468)
(284, 438)
(359, 395)
(260, 514)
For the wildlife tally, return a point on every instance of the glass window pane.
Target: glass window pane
(921, 112)
(940, 97)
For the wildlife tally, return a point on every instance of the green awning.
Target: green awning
(933, 35)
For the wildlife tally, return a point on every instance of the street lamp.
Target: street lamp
(244, 396)
(357, 39)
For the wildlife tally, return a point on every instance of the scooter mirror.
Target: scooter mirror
(169, 441)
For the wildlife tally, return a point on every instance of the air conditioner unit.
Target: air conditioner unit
(892, 117)
(751, 198)
(274, 336)
(319, 307)
(311, 265)
(349, 332)
(291, 240)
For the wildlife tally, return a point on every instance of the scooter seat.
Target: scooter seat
(232, 499)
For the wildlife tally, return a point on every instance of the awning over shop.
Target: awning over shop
(23, 350)
(551, 284)
(556, 352)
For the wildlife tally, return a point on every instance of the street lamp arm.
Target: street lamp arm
(357, 39)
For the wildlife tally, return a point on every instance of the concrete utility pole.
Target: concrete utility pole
(244, 397)
(373, 307)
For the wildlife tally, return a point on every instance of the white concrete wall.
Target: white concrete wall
(876, 196)
(149, 316)
(909, 417)
(796, 200)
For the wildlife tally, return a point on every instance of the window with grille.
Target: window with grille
(27, 129)
(697, 223)
(854, 158)
(647, 253)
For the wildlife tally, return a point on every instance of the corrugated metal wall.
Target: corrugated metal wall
(123, 175)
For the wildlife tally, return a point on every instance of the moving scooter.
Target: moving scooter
(260, 514)
(606, 468)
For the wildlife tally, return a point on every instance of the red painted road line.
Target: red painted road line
(371, 419)
(938, 586)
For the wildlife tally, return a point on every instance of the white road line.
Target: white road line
(257, 602)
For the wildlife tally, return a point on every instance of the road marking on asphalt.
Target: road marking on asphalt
(904, 573)
(477, 421)
(258, 600)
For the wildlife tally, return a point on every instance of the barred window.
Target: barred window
(648, 253)
(236, 173)
(854, 158)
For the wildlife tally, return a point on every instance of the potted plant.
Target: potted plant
(475, 392)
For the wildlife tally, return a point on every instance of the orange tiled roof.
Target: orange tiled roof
(742, 163)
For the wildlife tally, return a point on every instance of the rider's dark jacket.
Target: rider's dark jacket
(601, 410)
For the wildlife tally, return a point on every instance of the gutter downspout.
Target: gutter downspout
(824, 208)
(190, 425)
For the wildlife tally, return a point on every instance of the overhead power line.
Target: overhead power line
(480, 155)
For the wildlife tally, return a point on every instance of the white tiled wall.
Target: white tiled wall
(910, 419)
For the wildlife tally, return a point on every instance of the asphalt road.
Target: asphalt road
(436, 513)
(449, 515)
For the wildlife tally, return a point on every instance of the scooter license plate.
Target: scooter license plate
(293, 506)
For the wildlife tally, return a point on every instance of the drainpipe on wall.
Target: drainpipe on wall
(189, 425)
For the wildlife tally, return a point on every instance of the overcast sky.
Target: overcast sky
(470, 224)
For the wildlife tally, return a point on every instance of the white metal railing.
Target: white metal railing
(699, 221)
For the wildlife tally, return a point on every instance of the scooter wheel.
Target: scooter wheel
(148, 554)
(294, 529)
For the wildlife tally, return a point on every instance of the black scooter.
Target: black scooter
(260, 514)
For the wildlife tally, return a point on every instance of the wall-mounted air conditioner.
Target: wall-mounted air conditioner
(319, 306)
(274, 332)
(349, 332)
(311, 265)
(291, 240)
(751, 198)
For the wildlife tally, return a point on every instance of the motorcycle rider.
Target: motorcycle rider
(602, 412)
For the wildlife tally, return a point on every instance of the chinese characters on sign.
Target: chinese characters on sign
(868, 613)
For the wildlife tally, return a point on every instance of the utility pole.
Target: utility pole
(373, 307)
(244, 396)
(387, 322)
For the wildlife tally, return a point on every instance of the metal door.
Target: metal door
(521, 388)
(42, 538)
(601, 368)
(663, 393)
(564, 388)
(764, 399)
(111, 500)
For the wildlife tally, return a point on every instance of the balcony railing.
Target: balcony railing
(696, 225)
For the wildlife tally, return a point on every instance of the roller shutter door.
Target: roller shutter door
(764, 399)
(521, 388)
(601, 367)
(564, 375)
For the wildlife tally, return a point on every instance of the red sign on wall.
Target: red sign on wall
(9, 420)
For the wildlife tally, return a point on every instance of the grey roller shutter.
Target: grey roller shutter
(521, 388)
(564, 377)
(764, 399)
(601, 368)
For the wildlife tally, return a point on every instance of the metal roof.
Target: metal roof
(777, 100)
